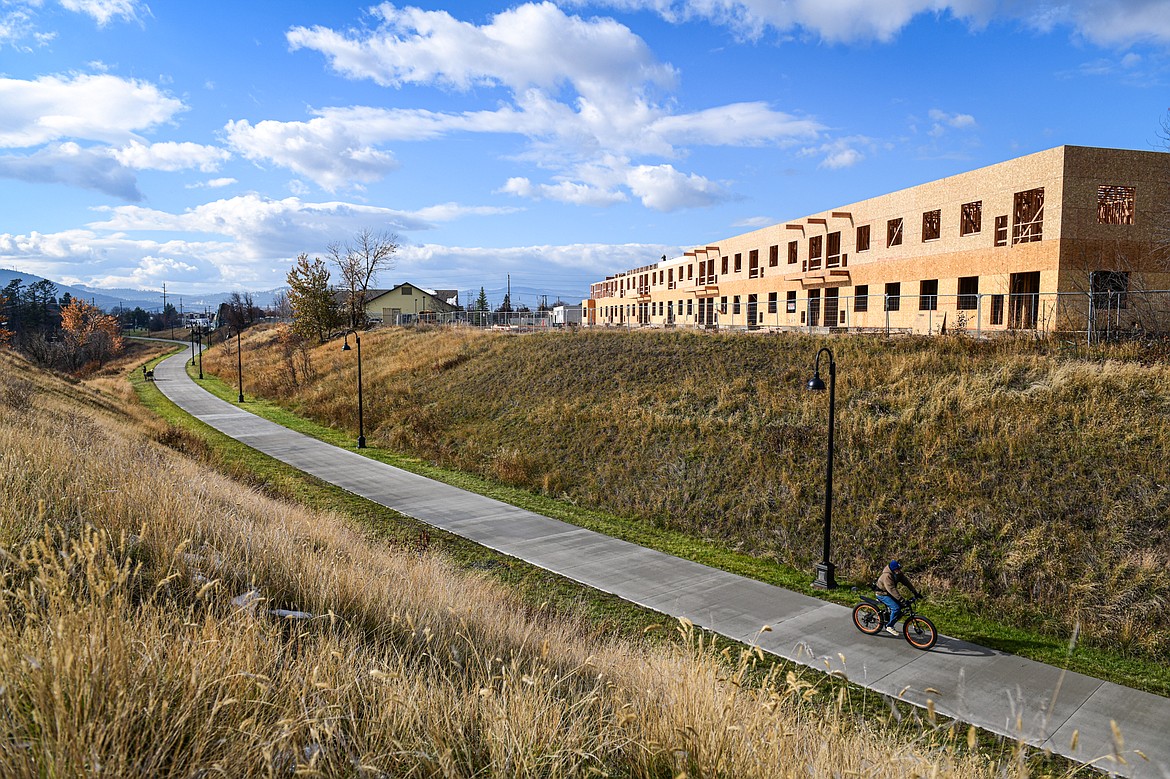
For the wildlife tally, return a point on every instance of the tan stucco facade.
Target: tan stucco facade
(1009, 246)
(406, 303)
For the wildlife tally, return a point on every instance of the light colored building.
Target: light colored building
(564, 316)
(410, 303)
(1053, 240)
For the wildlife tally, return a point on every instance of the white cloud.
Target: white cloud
(563, 192)
(171, 156)
(532, 45)
(104, 11)
(842, 158)
(582, 91)
(840, 152)
(103, 258)
(533, 267)
(447, 212)
(83, 107)
(213, 183)
(68, 163)
(322, 150)
(663, 188)
(754, 222)
(942, 120)
(737, 124)
(1104, 22)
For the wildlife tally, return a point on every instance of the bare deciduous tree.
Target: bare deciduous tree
(358, 261)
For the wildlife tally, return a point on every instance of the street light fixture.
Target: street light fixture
(199, 336)
(239, 365)
(825, 580)
(361, 442)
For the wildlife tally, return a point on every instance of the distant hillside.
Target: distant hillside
(147, 299)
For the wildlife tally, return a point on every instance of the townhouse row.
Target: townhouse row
(1054, 240)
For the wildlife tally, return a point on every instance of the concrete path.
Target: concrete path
(1002, 693)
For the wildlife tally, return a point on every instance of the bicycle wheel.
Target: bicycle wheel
(867, 618)
(920, 632)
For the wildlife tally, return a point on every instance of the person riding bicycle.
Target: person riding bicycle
(887, 592)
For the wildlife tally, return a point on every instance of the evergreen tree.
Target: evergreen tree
(481, 307)
(310, 298)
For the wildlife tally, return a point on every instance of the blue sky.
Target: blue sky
(205, 145)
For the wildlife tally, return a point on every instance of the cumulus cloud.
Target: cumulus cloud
(68, 163)
(321, 150)
(96, 107)
(171, 156)
(581, 91)
(104, 258)
(532, 45)
(663, 188)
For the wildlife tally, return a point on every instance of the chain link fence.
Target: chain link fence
(1107, 314)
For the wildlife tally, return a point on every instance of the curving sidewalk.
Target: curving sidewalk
(1041, 704)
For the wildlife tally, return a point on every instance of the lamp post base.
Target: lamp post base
(825, 580)
(361, 442)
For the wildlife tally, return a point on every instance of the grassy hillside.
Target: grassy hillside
(138, 637)
(1025, 480)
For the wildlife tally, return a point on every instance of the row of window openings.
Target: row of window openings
(1115, 205)
(1108, 290)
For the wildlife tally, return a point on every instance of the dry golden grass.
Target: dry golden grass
(1023, 480)
(126, 650)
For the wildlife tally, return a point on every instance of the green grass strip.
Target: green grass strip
(952, 617)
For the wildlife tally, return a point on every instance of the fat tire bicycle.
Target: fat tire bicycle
(871, 615)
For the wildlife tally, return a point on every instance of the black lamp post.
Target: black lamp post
(825, 580)
(361, 442)
(199, 335)
(239, 365)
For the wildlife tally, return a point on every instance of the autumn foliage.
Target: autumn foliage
(90, 335)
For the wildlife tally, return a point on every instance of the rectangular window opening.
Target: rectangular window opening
(1109, 289)
(861, 298)
(1115, 205)
(1028, 216)
(793, 251)
(833, 251)
(968, 293)
(790, 302)
(932, 225)
(863, 238)
(971, 218)
(774, 256)
(894, 232)
(815, 247)
(928, 295)
(893, 296)
(1001, 230)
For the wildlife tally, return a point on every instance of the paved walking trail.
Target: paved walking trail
(1000, 692)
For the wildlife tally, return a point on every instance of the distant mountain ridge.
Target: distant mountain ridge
(152, 300)
(146, 299)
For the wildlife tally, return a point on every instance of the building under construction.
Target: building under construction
(1072, 238)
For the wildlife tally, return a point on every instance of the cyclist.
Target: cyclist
(887, 592)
